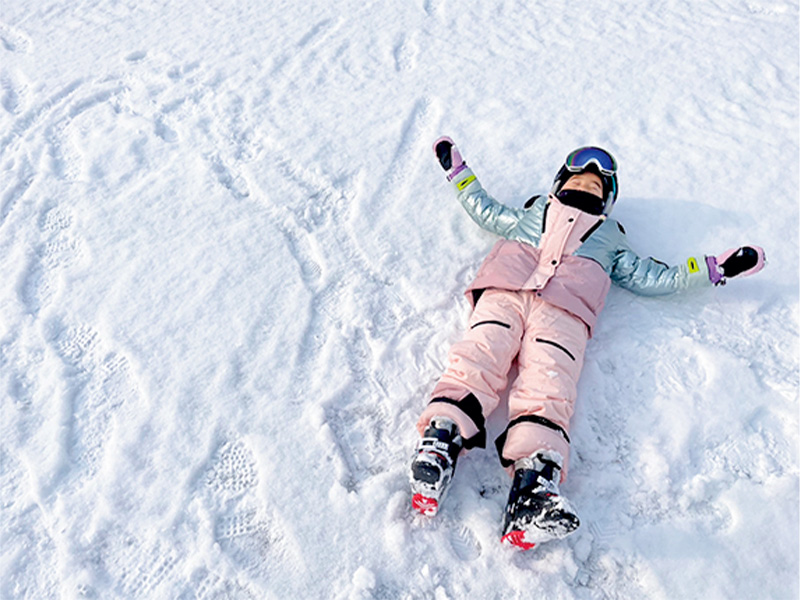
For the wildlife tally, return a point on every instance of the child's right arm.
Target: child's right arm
(481, 207)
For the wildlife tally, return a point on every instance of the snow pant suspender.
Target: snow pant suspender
(501, 441)
(471, 407)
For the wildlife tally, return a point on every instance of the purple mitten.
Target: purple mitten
(449, 157)
(736, 262)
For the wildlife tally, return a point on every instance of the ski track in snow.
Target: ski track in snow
(231, 277)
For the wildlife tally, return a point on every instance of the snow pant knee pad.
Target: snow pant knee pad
(467, 413)
(528, 434)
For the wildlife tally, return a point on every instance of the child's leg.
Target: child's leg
(478, 367)
(542, 398)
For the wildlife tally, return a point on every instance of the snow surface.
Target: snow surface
(231, 271)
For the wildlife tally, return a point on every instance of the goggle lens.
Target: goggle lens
(582, 157)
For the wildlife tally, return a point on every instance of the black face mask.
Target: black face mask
(581, 200)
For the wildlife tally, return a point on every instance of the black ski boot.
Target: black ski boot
(433, 465)
(535, 512)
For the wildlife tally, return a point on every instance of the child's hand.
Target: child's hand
(736, 262)
(449, 157)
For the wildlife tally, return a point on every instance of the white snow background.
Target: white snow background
(231, 269)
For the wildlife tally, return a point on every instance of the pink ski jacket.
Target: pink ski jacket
(568, 257)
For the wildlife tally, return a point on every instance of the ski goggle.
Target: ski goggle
(581, 158)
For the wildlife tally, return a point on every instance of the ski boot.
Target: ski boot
(433, 465)
(535, 512)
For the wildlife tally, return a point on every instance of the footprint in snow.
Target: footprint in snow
(60, 253)
(205, 585)
(14, 40)
(245, 528)
(78, 346)
(405, 54)
(137, 56)
(55, 219)
(135, 566)
(105, 387)
(232, 470)
(14, 92)
(464, 543)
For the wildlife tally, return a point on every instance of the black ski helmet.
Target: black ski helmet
(597, 161)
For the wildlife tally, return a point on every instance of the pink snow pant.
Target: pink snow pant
(549, 345)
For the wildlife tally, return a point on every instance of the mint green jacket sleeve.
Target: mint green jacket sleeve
(651, 277)
(483, 209)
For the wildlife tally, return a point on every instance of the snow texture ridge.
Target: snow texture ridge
(231, 270)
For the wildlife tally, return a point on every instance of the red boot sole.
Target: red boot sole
(517, 539)
(427, 506)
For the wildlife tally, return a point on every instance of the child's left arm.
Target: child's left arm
(651, 277)
(736, 262)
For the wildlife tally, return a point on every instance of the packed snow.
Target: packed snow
(232, 269)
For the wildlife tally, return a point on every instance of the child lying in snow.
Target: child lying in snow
(536, 298)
